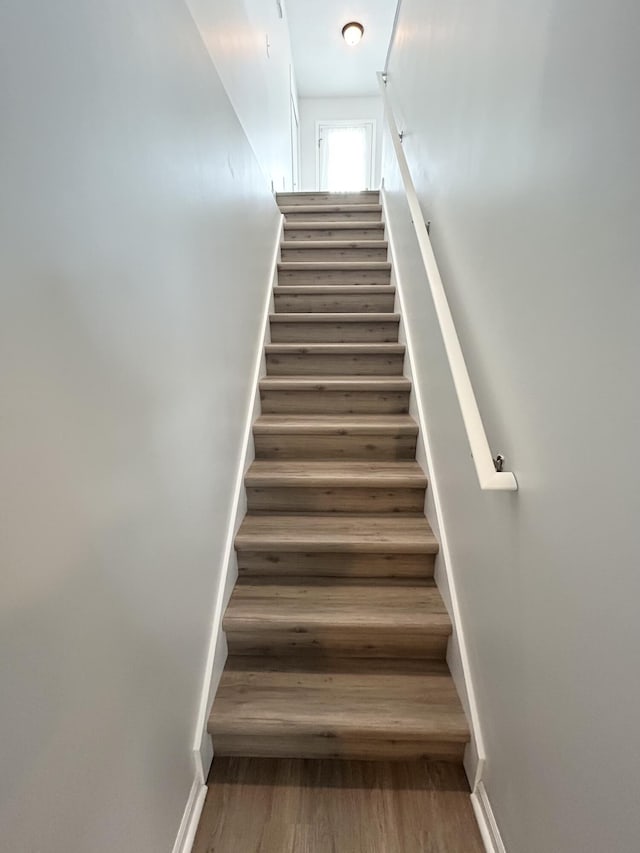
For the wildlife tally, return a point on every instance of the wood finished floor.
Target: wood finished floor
(327, 806)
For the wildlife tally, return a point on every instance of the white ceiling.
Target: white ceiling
(325, 66)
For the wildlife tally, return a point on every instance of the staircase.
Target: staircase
(336, 631)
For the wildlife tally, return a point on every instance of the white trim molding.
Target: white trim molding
(191, 817)
(216, 655)
(489, 831)
(488, 477)
(459, 665)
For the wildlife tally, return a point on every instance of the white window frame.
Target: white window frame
(368, 123)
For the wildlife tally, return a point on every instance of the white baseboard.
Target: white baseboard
(457, 655)
(191, 817)
(486, 820)
(216, 654)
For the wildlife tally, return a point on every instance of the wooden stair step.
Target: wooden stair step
(321, 197)
(348, 229)
(332, 212)
(340, 546)
(344, 272)
(335, 437)
(332, 425)
(336, 534)
(377, 359)
(334, 619)
(335, 394)
(307, 245)
(284, 486)
(321, 712)
(325, 299)
(338, 474)
(340, 266)
(333, 250)
(338, 328)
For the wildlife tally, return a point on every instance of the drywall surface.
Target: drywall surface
(313, 110)
(136, 232)
(521, 126)
(250, 46)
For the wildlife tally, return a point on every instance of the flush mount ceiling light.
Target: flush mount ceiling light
(352, 32)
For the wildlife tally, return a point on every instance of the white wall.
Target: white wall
(313, 110)
(257, 80)
(522, 125)
(136, 230)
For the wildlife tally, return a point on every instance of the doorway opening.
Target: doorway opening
(345, 155)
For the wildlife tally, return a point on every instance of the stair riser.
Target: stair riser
(373, 232)
(334, 565)
(319, 402)
(348, 303)
(291, 499)
(338, 365)
(300, 278)
(331, 254)
(322, 197)
(339, 333)
(334, 216)
(325, 746)
(336, 641)
(363, 447)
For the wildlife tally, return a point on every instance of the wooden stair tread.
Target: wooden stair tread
(333, 244)
(371, 207)
(326, 533)
(333, 289)
(334, 225)
(343, 266)
(327, 194)
(378, 347)
(365, 704)
(338, 424)
(335, 383)
(321, 317)
(337, 605)
(345, 473)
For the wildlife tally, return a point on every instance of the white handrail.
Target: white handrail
(488, 477)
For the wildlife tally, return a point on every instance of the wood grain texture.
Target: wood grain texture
(334, 395)
(338, 437)
(356, 535)
(336, 475)
(334, 328)
(339, 605)
(279, 564)
(314, 499)
(340, 620)
(378, 359)
(347, 230)
(334, 266)
(371, 425)
(340, 707)
(334, 250)
(336, 299)
(332, 212)
(352, 213)
(324, 486)
(299, 275)
(328, 806)
(323, 197)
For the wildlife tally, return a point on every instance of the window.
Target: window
(345, 155)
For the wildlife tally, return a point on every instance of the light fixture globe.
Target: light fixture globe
(352, 33)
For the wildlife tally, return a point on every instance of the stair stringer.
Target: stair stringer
(457, 652)
(217, 647)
